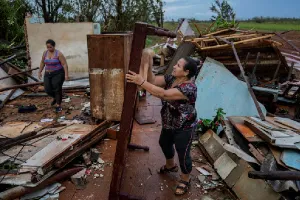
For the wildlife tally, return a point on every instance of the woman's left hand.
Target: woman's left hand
(66, 77)
(133, 77)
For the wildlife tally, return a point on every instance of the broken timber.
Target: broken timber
(141, 31)
(23, 72)
(21, 86)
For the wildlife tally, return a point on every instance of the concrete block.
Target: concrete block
(79, 179)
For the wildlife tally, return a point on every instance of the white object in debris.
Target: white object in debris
(186, 29)
(85, 105)
(45, 193)
(203, 171)
(224, 165)
(96, 175)
(100, 161)
(68, 122)
(101, 175)
(46, 120)
(67, 100)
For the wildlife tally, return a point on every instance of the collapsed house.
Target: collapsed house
(255, 149)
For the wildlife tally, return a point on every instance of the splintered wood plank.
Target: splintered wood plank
(12, 129)
(51, 151)
(288, 122)
(82, 129)
(248, 134)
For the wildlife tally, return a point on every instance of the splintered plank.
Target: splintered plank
(248, 134)
(288, 122)
(51, 151)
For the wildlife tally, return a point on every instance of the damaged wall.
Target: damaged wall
(70, 38)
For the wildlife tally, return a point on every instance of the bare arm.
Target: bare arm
(155, 80)
(170, 94)
(42, 65)
(63, 62)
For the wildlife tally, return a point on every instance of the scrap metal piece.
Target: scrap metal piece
(279, 180)
(291, 158)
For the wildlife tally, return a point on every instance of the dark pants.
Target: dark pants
(53, 82)
(182, 140)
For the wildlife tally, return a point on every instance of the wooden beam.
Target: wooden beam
(21, 86)
(235, 43)
(198, 29)
(289, 42)
(217, 32)
(141, 30)
(23, 72)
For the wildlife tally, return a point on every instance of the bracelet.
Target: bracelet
(143, 82)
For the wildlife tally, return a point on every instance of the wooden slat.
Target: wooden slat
(248, 134)
(235, 43)
(138, 43)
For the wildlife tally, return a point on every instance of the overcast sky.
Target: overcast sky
(244, 9)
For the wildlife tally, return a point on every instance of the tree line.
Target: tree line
(114, 15)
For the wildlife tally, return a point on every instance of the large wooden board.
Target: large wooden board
(248, 134)
(108, 63)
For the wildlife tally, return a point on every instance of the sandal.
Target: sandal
(164, 169)
(184, 188)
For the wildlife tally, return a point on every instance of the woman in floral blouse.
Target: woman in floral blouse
(178, 94)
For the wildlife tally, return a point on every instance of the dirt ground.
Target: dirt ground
(140, 176)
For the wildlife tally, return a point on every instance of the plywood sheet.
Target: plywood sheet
(107, 93)
(288, 122)
(107, 68)
(12, 129)
(238, 123)
(51, 151)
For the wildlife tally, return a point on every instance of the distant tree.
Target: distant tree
(157, 12)
(222, 10)
(49, 9)
(12, 14)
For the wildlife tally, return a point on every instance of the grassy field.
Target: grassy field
(267, 26)
(270, 26)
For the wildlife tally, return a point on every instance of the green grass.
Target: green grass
(270, 26)
(267, 26)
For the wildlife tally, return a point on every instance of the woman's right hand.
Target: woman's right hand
(40, 75)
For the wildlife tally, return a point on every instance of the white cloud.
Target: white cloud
(176, 8)
(170, 1)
